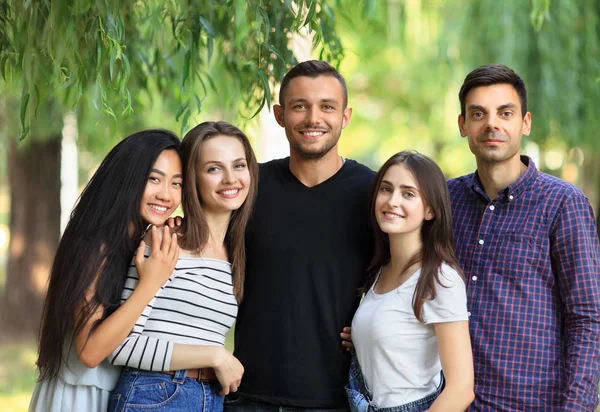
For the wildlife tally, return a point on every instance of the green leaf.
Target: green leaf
(273, 50)
(265, 22)
(266, 87)
(24, 103)
(126, 68)
(207, 27)
(24, 133)
(3, 66)
(186, 67)
(311, 13)
(182, 109)
(185, 120)
(210, 48)
(198, 103)
(37, 100)
(260, 107)
(111, 65)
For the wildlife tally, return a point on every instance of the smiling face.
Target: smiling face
(163, 188)
(222, 175)
(399, 206)
(313, 115)
(493, 124)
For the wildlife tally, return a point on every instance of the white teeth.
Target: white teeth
(392, 215)
(313, 134)
(159, 208)
(229, 192)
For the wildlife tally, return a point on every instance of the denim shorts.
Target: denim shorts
(360, 398)
(139, 390)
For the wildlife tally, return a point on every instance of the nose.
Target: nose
(492, 121)
(313, 115)
(394, 199)
(229, 176)
(165, 192)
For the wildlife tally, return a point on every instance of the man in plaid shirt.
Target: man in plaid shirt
(528, 245)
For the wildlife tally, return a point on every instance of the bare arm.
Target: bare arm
(456, 357)
(93, 347)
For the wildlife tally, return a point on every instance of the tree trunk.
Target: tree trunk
(34, 178)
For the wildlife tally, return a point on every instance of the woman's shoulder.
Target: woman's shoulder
(450, 276)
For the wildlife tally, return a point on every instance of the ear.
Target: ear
(526, 124)
(461, 125)
(429, 214)
(278, 112)
(346, 117)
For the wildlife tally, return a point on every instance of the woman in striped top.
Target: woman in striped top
(175, 357)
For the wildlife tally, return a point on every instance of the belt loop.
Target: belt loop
(179, 376)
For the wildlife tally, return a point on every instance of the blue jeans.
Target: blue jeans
(235, 403)
(139, 391)
(360, 398)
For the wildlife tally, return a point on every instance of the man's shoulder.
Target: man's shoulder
(460, 180)
(275, 164)
(457, 185)
(358, 169)
(556, 186)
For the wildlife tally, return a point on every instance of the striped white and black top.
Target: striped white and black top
(195, 306)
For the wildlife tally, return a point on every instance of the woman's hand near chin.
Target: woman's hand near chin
(155, 270)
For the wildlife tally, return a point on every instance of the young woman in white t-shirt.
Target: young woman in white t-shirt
(412, 322)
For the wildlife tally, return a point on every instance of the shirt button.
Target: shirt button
(492, 207)
(469, 314)
(511, 197)
(474, 278)
(481, 242)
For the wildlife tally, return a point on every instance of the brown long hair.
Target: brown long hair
(436, 234)
(194, 230)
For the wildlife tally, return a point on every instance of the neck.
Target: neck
(217, 226)
(498, 176)
(313, 172)
(402, 249)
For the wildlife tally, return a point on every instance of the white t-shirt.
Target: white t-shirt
(399, 355)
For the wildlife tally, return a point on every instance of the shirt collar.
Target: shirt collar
(514, 190)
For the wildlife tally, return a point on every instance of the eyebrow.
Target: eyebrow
(472, 107)
(218, 162)
(401, 186)
(501, 107)
(160, 172)
(302, 99)
(507, 106)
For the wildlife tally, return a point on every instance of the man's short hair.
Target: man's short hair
(313, 69)
(489, 75)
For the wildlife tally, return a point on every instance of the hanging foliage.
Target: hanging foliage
(111, 51)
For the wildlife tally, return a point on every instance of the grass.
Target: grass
(17, 376)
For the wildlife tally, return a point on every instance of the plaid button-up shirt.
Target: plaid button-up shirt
(532, 261)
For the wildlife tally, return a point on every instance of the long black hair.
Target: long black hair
(98, 243)
(436, 234)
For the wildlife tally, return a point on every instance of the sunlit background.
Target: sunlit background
(404, 62)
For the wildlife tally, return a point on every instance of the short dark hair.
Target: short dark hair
(489, 75)
(312, 68)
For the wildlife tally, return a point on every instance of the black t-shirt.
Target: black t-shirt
(307, 250)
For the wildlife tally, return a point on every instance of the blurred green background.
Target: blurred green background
(83, 74)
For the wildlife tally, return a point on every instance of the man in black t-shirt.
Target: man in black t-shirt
(308, 244)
